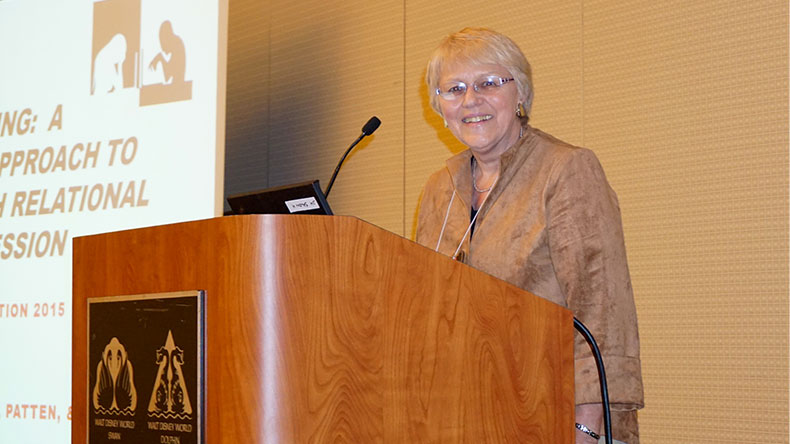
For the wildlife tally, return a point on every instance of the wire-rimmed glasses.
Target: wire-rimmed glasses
(487, 85)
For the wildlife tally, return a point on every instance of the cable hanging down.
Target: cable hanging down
(607, 414)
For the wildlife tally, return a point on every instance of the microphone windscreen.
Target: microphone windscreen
(372, 125)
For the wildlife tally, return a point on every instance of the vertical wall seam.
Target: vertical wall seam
(268, 100)
(403, 159)
(584, 123)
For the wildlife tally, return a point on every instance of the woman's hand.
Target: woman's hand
(590, 415)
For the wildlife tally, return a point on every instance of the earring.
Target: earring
(520, 110)
(445, 123)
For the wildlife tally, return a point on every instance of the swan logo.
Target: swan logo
(169, 398)
(114, 392)
(119, 62)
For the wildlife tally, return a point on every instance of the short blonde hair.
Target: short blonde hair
(480, 46)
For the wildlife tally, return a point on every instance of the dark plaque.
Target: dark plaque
(145, 366)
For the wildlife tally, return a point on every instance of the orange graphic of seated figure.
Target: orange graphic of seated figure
(173, 62)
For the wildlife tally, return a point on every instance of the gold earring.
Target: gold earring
(520, 110)
(445, 123)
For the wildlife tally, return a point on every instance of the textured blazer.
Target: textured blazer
(550, 225)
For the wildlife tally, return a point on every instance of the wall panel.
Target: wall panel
(333, 66)
(686, 104)
(247, 98)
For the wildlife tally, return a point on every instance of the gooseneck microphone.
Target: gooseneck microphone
(371, 126)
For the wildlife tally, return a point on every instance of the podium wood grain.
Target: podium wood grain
(328, 329)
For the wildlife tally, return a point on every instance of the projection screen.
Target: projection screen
(111, 117)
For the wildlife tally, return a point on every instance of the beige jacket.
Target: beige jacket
(551, 225)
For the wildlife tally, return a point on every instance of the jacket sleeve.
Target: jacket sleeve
(588, 254)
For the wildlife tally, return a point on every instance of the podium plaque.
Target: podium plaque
(145, 361)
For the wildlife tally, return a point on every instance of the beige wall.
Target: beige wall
(685, 103)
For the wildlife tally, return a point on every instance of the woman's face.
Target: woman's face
(486, 123)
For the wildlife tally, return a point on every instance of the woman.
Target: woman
(533, 211)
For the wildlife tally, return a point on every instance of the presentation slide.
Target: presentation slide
(111, 115)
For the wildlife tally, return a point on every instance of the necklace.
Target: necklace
(474, 180)
(474, 171)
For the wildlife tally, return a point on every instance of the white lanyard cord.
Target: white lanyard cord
(472, 223)
(444, 224)
(468, 228)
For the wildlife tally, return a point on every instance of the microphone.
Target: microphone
(371, 126)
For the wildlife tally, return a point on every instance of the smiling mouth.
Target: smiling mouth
(477, 119)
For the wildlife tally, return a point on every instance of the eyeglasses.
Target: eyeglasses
(486, 86)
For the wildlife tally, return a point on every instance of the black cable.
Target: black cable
(607, 414)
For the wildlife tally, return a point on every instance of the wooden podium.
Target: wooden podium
(329, 329)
